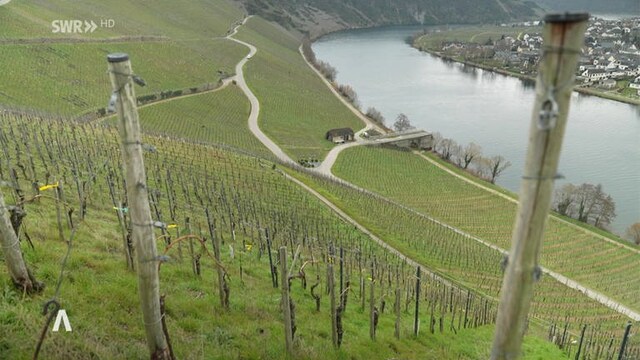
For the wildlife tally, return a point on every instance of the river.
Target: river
(602, 141)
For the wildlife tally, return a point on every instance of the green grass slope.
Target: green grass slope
(402, 176)
(244, 195)
(70, 79)
(296, 107)
(218, 117)
(202, 19)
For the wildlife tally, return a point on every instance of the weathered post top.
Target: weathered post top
(117, 57)
(566, 18)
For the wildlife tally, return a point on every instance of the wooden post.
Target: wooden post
(286, 306)
(215, 243)
(396, 307)
(142, 234)
(563, 40)
(332, 296)
(18, 270)
(416, 320)
(584, 328)
(372, 306)
(625, 338)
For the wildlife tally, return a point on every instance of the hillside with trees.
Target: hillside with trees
(318, 17)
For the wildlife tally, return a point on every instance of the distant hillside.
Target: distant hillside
(317, 17)
(610, 6)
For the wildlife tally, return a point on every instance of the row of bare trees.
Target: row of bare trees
(587, 203)
(470, 158)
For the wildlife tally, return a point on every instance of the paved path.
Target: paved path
(255, 104)
(332, 156)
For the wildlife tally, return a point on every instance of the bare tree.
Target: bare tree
(327, 70)
(563, 199)
(437, 138)
(587, 203)
(402, 123)
(494, 166)
(348, 92)
(470, 153)
(633, 232)
(457, 154)
(446, 147)
(375, 115)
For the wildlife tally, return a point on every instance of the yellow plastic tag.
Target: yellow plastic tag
(47, 187)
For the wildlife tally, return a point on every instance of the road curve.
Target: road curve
(325, 169)
(253, 100)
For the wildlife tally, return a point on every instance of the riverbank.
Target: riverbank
(581, 90)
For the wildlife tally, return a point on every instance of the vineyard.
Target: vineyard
(68, 78)
(297, 109)
(465, 260)
(215, 118)
(253, 265)
(205, 19)
(210, 204)
(600, 265)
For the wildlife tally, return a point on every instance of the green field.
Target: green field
(218, 117)
(238, 190)
(203, 19)
(599, 265)
(296, 107)
(70, 79)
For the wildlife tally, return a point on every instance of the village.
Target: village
(610, 57)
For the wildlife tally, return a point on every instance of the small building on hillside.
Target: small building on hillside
(339, 136)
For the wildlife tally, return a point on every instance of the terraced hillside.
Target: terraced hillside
(208, 197)
(204, 19)
(65, 73)
(604, 266)
(213, 118)
(253, 211)
(457, 256)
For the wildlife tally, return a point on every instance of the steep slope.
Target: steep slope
(317, 17)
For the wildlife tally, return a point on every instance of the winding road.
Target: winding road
(255, 104)
(325, 170)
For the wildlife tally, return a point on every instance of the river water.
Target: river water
(602, 141)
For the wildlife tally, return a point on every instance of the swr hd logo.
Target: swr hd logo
(79, 26)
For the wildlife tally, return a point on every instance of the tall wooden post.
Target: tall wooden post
(138, 201)
(372, 306)
(332, 296)
(625, 338)
(396, 308)
(563, 40)
(18, 270)
(416, 319)
(286, 306)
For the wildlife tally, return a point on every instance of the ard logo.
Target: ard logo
(62, 317)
